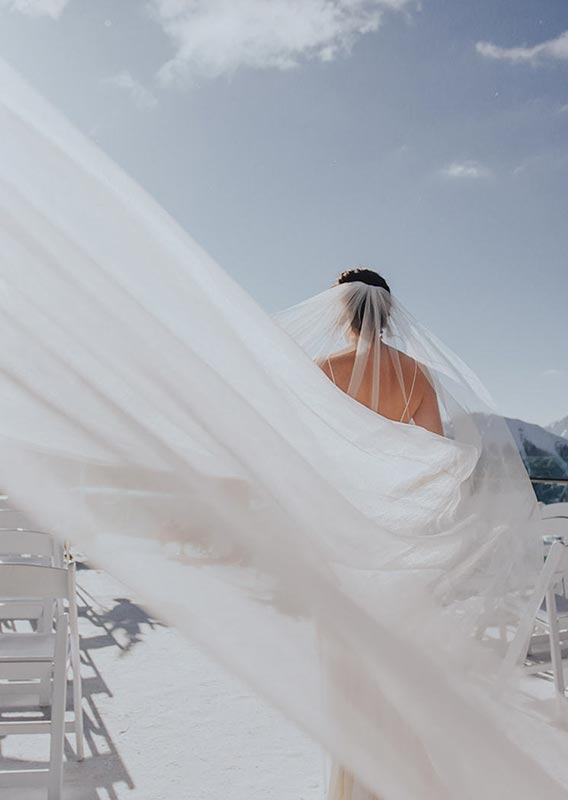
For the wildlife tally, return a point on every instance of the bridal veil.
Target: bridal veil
(358, 573)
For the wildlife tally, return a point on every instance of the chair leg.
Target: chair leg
(76, 665)
(55, 785)
(77, 700)
(554, 638)
(45, 625)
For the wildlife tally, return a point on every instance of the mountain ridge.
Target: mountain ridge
(560, 427)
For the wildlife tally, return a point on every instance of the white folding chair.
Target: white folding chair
(41, 549)
(25, 658)
(543, 630)
(29, 547)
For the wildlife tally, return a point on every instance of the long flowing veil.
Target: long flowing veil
(355, 571)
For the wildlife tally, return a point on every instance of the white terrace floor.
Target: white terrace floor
(164, 722)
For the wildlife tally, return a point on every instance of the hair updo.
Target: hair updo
(371, 278)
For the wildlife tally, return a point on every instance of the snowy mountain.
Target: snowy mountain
(560, 428)
(545, 455)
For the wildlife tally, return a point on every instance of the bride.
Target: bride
(362, 574)
(400, 390)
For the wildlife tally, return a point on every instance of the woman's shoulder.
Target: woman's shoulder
(343, 356)
(411, 368)
(406, 361)
(338, 364)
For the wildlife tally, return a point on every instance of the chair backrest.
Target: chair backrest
(556, 527)
(551, 511)
(11, 518)
(28, 543)
(29, 580)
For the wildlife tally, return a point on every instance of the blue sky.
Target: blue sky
(295, 138)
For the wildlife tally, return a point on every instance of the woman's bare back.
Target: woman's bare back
(405, 394)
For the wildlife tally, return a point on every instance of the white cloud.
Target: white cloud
(553, 373)
(468, 170)
(531, 163)
(553, 49)
(552, 161)
(36, 8)
(216, 37)
(141, 96)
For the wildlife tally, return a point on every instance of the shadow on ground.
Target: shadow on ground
(122, 626)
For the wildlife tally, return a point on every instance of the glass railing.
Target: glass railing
(550, 490)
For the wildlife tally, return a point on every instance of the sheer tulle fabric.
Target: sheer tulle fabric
(337, 561)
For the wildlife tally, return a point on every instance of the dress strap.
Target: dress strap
(331, 370)
(406, 407)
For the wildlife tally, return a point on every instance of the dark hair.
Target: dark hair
(371, 278)
(363, 275)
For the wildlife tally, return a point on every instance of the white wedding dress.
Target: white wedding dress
(352, 569)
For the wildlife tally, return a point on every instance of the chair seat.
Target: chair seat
(26, 647)
(18, 558)
(25, 609)
(9, 602)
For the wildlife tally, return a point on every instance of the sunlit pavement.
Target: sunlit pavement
(164, 722)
